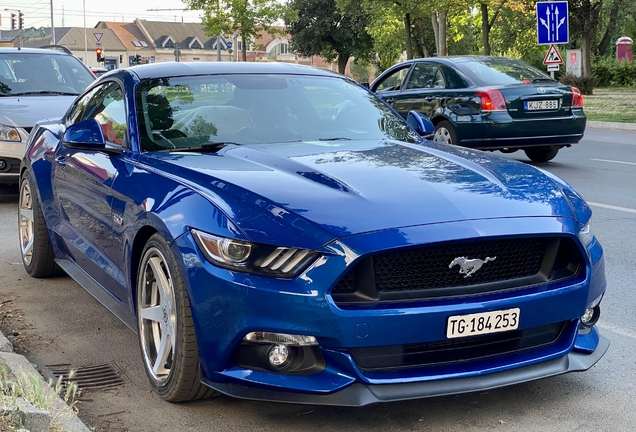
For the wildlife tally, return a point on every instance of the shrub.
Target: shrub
(611, 72)
(585, 84)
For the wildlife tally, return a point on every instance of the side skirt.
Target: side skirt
(99, 293)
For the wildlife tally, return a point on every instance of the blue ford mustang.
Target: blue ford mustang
(277, 232)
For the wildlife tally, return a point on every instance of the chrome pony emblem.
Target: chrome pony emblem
(541, 90)
(469, 266)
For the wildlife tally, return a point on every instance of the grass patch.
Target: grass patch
(619, 108)
(615, 89)
(30, 388)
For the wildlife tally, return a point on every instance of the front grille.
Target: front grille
(443, 270)
(28, 129)
(454, 351)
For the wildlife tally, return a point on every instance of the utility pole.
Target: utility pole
(52, 26)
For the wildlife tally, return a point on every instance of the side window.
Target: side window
(105, 104)
(393, 81)
(81, 105)
(425, 76)
(111, 114)
(452, 78)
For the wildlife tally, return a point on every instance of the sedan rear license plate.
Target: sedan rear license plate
(541, 105)
(482, 323)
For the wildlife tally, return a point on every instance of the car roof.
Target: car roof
(457, 59)
(14, 50)
(206, 68)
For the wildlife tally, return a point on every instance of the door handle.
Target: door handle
(61, 160)
(429, 98)
(389, 100)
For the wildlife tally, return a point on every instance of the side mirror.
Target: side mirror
(86, 134)
(421, 124)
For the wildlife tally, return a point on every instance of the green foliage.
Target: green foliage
(319, 27)
(360, 72)
(387, 31)
(248, 18)
(585, 84)
(611, 72)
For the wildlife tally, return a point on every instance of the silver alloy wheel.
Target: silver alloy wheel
(156, 312)
(27, 223)
(443, 135)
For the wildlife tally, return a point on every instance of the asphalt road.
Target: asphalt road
(59, 323)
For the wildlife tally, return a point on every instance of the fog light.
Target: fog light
(280, 338)
(592, 312)
(3, 164)
(278, 356)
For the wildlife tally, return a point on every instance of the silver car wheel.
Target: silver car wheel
(157, 317)
(27, 223)
(443, 135)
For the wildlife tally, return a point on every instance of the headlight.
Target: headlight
(585, 234)
(9, 133)
(249, 257)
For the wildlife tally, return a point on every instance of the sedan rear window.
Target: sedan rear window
(500, 71)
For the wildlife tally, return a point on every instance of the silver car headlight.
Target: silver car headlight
(585, 233)
(9, 133)
(255, 258)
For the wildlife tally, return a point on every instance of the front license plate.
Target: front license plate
(541, 105)
(482, 323)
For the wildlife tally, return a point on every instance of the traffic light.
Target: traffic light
(99, 53)
(13, 22)
(20, 20)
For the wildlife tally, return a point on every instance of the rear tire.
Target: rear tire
(35, 245)
(166, 329)
(445, 133)
(541, 154)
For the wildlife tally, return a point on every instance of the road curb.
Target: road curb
(612, 125)
(17, 363)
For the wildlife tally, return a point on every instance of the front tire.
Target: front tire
(541, 154)
(445, 133)
(166, 330)
(35, 245)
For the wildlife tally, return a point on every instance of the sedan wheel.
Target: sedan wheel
(35, 247)
(445, 133)
(166, 331)
(542, 154)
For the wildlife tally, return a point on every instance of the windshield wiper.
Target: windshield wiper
(334, 139)
(45, 92)
(211, 146)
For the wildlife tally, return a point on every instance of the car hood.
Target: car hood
(26, 111)
(350, 187)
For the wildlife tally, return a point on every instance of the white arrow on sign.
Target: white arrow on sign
(98, 36)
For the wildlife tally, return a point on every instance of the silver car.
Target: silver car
(35, 84)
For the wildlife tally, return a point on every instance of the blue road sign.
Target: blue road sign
(229, 45)
(552, 23)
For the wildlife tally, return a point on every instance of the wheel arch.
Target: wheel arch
(140, 240)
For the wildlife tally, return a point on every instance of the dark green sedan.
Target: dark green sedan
(488, 103)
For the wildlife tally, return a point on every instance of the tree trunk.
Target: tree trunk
(407, 36)
(244, 47)
(435, 25)
(485, 29)
(419, 25)
(441, 19)
(342, 63)
(611, 25)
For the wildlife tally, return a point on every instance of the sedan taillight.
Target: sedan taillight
(492, 100)
(577, 97)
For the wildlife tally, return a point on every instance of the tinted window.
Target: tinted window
(425, 76)
(28, 73)
(502, 71)
(104, 103)
(393, 81)
(249, 109)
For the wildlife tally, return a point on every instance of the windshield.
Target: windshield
(502, 71)
(42, 73)
(183, 112)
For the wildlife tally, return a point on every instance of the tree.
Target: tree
(319, 27)
(247, 18)
(584, 19)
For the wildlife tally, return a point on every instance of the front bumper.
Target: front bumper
(360, 394)
(11, 154)
(228, 305)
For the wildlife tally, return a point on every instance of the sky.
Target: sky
(70, 13)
